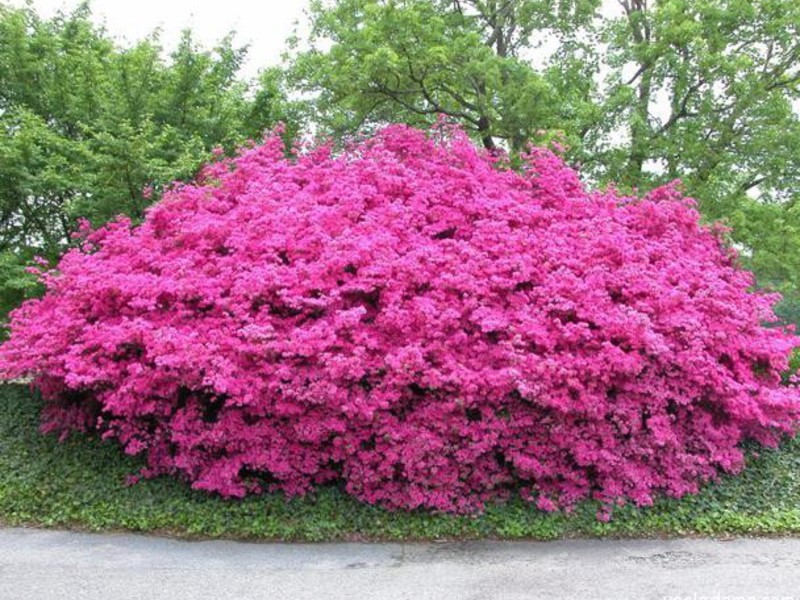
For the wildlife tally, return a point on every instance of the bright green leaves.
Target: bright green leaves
(412, 60)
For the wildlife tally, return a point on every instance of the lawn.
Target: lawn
(81, 484)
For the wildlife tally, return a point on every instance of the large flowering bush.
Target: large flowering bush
(412, 320)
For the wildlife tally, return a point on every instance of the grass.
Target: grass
(80, 485)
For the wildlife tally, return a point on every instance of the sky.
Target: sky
(262, 24)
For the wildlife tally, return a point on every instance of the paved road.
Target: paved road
(45, 565)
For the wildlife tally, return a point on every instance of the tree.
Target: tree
(93, 130)
(411, 60)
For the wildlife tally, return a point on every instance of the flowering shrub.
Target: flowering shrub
(417, 322)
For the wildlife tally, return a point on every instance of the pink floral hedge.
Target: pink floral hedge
(416, 322)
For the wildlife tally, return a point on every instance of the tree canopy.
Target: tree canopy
(410, 61)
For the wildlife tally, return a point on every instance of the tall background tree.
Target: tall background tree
(372, 62)
(640, 91)
(90, 129)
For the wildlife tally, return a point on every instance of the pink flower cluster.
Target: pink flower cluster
(417, 322)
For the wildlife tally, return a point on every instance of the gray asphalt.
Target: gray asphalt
(44, 565)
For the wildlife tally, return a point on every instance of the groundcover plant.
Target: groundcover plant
(416, 321)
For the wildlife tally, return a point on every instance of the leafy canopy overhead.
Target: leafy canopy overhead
(408, 61)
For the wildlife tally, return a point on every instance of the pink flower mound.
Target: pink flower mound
(415, 322)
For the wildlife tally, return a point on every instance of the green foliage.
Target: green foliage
(411, 60)
(87, 126)
(17, 283)
(81, 484)
(705, 90)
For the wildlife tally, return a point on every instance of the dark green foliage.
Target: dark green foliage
(81, 484)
